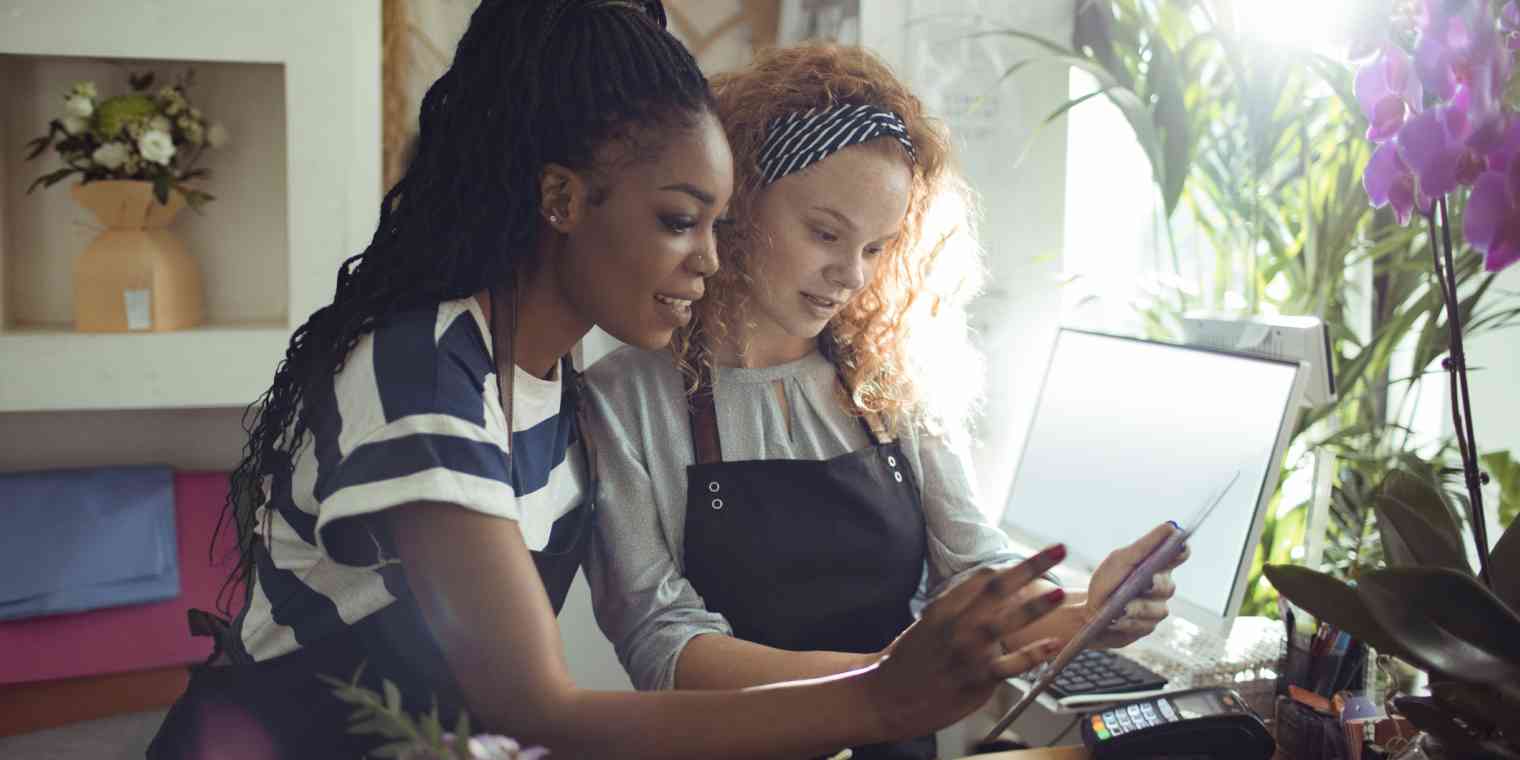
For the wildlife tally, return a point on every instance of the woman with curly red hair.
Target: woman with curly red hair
(792, 468)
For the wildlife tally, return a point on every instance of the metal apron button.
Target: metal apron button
(712, 486)
(717, 503)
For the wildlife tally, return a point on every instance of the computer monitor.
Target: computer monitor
(1130, 433)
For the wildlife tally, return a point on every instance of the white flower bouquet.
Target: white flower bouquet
(149, 135)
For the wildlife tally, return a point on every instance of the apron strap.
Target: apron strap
(704, 422)
(588, 446)
(501, 346)
(703, 413)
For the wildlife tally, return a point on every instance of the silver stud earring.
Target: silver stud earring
(554, 219)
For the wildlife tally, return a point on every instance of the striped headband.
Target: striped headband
(798, 140)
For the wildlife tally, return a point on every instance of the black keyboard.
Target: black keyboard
(1097, 671)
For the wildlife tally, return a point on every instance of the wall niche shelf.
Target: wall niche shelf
(297, 85)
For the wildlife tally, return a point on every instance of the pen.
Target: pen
(1330, 664)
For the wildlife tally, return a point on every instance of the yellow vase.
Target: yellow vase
(135, 275)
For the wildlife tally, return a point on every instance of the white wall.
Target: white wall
(1018, 169)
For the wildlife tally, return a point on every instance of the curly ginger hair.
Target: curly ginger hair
(902, 344)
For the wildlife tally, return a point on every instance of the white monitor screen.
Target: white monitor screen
(1128, 434)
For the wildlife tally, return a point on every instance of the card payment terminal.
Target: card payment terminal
(1211, 722)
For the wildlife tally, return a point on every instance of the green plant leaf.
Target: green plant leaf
(1504, 567)
(1044, 42)
(1446, 621)
(392, 697)
(196, 199)
(161, 186)
(1479, 706)
(381, 724)
(1416, 524)
(51, 178)
(1429, 717)
(1073, 103)
(37, 146)
(1506, 473)
(1329, 599)
(1170, 116)
(397, 750)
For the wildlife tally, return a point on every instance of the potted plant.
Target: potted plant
(134, 155)
(1447, 132)
(1256, 152)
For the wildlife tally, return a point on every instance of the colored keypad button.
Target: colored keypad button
(1166, 710)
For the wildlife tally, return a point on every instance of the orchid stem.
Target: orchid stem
(1461, 404)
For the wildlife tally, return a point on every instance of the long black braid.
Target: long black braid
(532, 82)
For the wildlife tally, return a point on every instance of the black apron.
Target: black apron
(807, 555)
(280, 708)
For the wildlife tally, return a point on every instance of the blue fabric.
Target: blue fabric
(75, 540)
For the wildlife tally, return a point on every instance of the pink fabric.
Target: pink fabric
(135, 637)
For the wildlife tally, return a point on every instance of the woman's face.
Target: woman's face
(821, 235)
(637, 255)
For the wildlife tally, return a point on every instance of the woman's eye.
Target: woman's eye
(825, 235)
(872, 253)
(678, 224)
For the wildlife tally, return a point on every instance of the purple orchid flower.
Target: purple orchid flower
(1505, 150)
(1487, 71)
(1434, 146)
(1441, 55)
(1491, 221)
(1465, 137)
(1388, 92)
(1388, 180)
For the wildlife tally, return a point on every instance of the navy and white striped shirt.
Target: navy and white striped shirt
(412, 416)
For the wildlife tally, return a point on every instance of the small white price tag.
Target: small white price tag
(139, 309)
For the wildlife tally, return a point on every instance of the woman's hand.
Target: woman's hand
(948, 663)
(1143, 614)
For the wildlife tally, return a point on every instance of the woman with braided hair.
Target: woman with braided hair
(415, 495)
(797, 467)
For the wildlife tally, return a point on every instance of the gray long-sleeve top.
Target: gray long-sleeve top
(642, 599)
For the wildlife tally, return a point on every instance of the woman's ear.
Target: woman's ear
(562, 193)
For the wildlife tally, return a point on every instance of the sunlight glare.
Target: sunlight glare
(1311, 25)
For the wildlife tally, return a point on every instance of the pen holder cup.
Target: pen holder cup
(1307, 734)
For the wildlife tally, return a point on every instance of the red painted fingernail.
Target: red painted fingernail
(1056, 553)
(1054, 597)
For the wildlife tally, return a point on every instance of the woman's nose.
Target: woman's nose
(705, 261)
(850, 274)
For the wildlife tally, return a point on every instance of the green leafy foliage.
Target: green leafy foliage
(422, 737)
(1428, 609)
(1260, 150)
